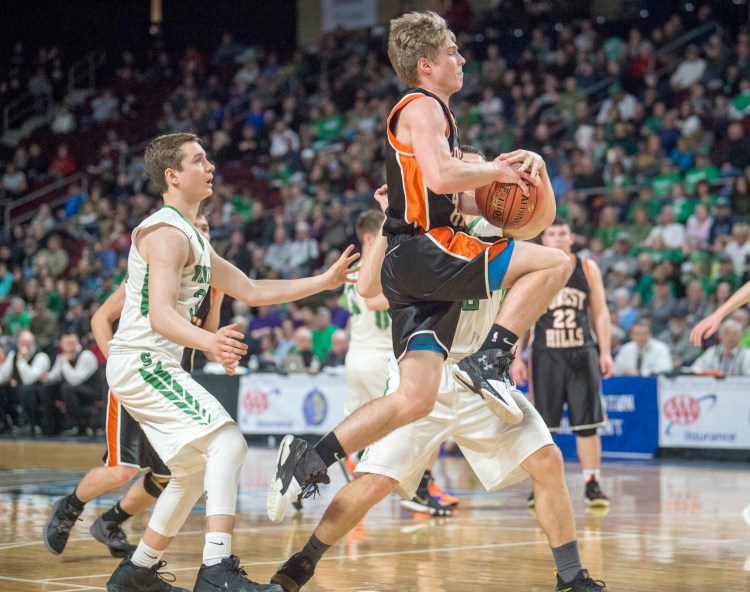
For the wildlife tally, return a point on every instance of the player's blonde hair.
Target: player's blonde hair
(162, 153)
(416, 35)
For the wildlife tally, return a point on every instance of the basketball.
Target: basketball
(505, 206)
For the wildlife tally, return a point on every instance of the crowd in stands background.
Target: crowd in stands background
(646, 147)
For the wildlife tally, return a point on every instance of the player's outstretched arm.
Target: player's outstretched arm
(105, 316)
(230, 280)
(710, 324)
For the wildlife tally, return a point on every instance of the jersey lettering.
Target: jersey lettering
(382, 319)
(202, 274)
(565, 324)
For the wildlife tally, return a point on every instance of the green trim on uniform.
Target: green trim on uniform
(197, 234)
(473, 223)
(144, 294)
(172, 390)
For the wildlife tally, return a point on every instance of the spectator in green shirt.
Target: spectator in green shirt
(646, 201)
(608, 227)
(322, 332)
(16, 318)
(739, 108)
(640, 226)
(702, 171)
(665, 179)
(725, 274)
(683, 205)
(330, 125)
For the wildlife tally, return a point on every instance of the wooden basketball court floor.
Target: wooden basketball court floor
(672, 527)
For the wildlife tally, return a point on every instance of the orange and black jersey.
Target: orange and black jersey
(412, 207)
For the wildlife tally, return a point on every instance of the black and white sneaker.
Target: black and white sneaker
(298, 471)
(424, 503)
(486, 373)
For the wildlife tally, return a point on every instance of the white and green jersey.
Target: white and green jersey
(476, 316)
(135, 332)
(370, 329)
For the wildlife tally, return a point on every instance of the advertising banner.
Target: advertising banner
(293, 404)
(704, 412)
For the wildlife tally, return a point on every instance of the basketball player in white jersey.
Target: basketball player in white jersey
(501, 454)
(171, 269)
(127, 449)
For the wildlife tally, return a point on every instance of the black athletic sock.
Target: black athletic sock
(75, 502)
(116, 514)
(425, 480)
(329, 449)
(314, 549)
(500, 338)
(567, 560)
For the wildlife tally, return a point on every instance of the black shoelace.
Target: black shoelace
(503, 361)
(165, 576)
(594, 584)
(236, 567)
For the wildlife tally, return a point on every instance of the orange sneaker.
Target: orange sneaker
(444, 499)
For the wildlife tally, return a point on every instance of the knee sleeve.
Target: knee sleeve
(175, 503)
(225, 455)
(586, 433)
(153, 485)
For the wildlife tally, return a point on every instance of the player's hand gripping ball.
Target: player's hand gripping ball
(504, 205)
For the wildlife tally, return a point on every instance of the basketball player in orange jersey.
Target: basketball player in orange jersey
(567, 359)
(432, 264)
(370, 348)
(128, 450)
(500, 454)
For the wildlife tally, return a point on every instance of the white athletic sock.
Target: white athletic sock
(145, 556)
(588, 473)
(218, 545)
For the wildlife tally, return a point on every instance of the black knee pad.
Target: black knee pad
(586, 433)
(154, 485)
